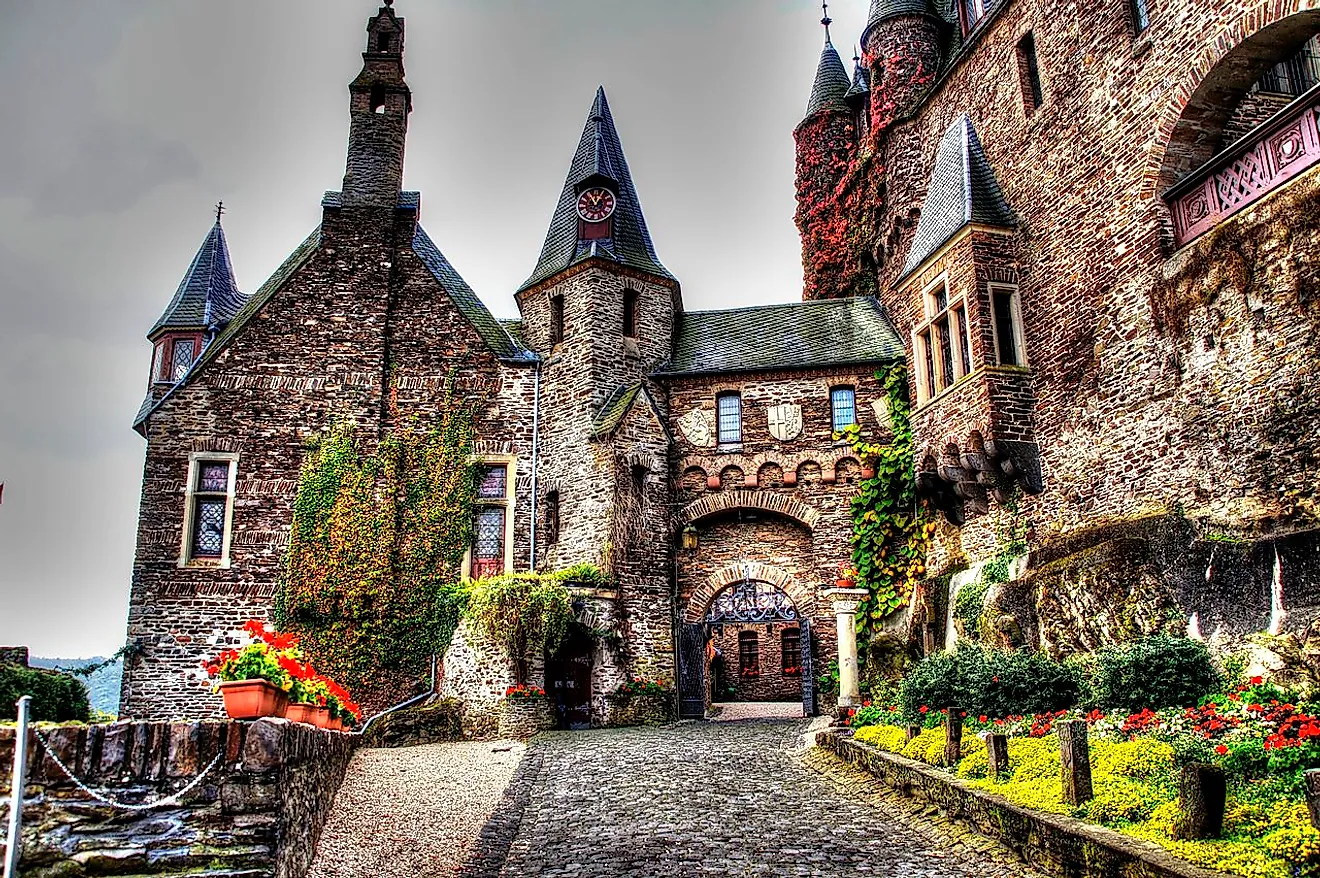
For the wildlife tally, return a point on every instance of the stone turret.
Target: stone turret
(379, 104)
(903, 43)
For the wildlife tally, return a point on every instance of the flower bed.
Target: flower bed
(1255, 732)
(524, 712)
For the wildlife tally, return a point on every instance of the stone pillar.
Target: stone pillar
(997, 748)
(846, 601)
(1202, 794)
(1075, 763)
(953, 728)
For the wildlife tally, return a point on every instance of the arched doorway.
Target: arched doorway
(568, 681)
(752, 642)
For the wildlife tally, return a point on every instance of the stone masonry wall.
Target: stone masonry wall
(771, 683)
(1161, 380)
(258, 813)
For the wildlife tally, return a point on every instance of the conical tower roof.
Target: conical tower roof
(208, 297)
(831, 85)
(886, 9)
(861, 85)
(599, 159)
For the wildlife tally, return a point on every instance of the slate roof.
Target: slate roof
(827, 332)
(962, 190)
(831, 85)
(615, 409)
(208, 297)
(491, 330)
(861, 85)
(884, 9)
(599, 157)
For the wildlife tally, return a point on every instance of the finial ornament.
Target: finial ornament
(389, 3)
(826, 20)
(219, 211)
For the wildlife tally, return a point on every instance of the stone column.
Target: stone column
(846, 601)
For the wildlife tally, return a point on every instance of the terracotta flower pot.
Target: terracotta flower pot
(321, 717)
(302, 713)
(843, 583)
(254, 699)
(335, 724)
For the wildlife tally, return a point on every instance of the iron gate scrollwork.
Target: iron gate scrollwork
(750, 601)
(808, 678)
(692, 671)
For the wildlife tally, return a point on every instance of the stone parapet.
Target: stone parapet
(14, 655)
(522, 718)
(258, 811)
(1054, 844)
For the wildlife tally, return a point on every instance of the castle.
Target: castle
(1091, 236)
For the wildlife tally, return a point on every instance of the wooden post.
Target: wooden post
(1313, 795)
(953, 736)
(1075, 763)
(1202, 792)
(997, 748)
(912, 732)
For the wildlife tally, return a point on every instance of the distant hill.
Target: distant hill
(102, 687)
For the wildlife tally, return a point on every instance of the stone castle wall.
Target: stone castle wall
(259, 812)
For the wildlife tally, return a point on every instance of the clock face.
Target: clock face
(596, 205)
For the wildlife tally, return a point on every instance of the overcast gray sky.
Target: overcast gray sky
(126, 120)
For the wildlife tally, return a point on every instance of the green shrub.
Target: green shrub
(987, 682)
(1154, 672)
(872, 715)
(56, 698)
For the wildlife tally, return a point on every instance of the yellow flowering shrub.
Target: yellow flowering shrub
(975, 764)
(890, 738)
(1141, 759)
(1121, 799)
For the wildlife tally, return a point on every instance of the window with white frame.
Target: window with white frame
(1007, 310)
(943, 342)
(843, 407)
(492, 541)
(729, 408)
(209, 513)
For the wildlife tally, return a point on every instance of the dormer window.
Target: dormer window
(384, 42)
(943, 344)
(173, 357)
(970, 12)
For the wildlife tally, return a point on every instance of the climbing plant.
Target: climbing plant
(370, 582)
(891, 527)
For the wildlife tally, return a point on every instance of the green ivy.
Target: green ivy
(891, 528)
(370, 582)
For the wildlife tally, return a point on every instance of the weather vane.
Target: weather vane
(219, 211)
(827, 21)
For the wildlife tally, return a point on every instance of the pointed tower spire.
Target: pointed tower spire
(208, 297)
(832, 81)
(861, 83)
(620, 233)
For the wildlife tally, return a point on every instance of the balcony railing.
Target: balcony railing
(1277, 151)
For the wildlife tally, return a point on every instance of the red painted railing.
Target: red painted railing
(1277, 151)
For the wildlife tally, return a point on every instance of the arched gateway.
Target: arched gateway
(747, 601)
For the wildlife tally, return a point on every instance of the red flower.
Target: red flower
(1222, 750)
(982, 718)
(1256, 681)
(925, 709)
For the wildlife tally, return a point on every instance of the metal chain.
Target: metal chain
(102, 795)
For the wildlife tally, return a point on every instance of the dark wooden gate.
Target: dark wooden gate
(568, 682)
(692, 671)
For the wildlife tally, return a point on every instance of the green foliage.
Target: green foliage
(101, 676)
(526, 613)
(986, 681)
(970, 604)
(370, 582)
(891, 529)
(870, 715)
(1154, 672)
(890, 738)
(56, 697)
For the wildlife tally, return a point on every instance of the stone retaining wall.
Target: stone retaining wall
(1054, 844)
(257, 814)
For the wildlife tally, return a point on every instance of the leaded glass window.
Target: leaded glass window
(182, 358)
(212, 478)
(749, 654)
(494, 483)
(488, 552)
(209, 498)
(209, 528)
(843, 405)
(1140, 15)
(729, 406)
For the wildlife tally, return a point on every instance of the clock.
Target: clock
(596, 205)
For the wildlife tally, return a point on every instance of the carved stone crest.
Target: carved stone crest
(785, 421)
(881, 408)
(698, 427)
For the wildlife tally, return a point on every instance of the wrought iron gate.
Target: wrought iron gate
(746, 602)
(692, 671)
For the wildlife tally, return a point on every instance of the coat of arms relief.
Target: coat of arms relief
(698, 427)
(785, 421)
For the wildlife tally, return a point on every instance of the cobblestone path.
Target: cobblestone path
(726, 799)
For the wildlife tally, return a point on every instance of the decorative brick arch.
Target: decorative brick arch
(723, 501)
(801, 593)
(1201, 101)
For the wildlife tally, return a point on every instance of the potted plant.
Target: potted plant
(344, 713)
(847, 576)
(252, 682)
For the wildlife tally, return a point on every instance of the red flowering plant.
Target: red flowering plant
(341, 706)
(641, 686)
(259, 660)
(523, 693)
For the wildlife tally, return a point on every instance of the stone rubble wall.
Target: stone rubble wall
(258, 813)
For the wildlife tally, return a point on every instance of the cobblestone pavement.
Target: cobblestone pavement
(737, 798)
(739, 710)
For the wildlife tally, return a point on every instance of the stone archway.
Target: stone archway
(1204, 100)
(778, 504)
(800, 593)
